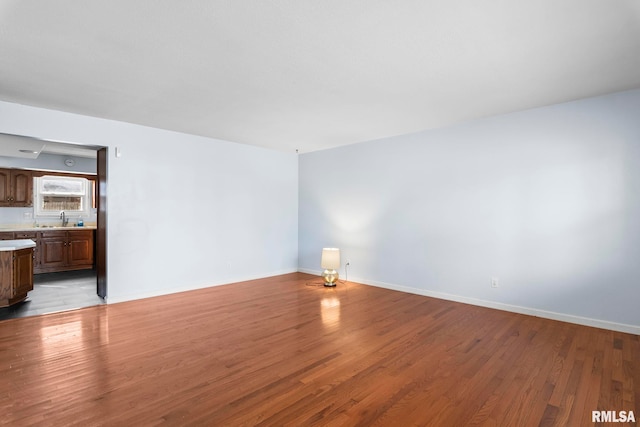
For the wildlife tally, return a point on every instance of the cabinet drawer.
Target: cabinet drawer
(46, 234)
(26, 234)
(6, 235)
(80, 233)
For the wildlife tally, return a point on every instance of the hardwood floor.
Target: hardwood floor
(282, 351)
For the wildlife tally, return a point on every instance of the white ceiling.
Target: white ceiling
(308, 74)
(12, 145)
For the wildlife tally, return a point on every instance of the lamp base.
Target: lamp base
(330, 278)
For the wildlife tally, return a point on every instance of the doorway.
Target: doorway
(66, 290)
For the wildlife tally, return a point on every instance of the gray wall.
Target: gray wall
(547, 200)
(183, 211)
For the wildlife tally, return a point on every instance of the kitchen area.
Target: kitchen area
(48, 220)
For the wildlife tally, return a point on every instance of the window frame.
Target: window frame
(87, 202)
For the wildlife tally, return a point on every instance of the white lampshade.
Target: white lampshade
(330, 258)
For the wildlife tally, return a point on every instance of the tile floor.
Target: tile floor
(54, 292)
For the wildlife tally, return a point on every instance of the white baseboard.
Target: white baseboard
(585, 321)
(167, 291)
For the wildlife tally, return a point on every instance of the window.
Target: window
(54, 194)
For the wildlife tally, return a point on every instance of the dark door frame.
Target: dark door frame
(101, 231)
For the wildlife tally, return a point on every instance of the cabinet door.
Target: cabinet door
(80, 247)
(21, 188)
(23, 270)
(6, 277)
(53, 251)
(33, 235)
(5, 187)
(36, 255)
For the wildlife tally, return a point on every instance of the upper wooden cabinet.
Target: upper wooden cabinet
(5, 187)
(16, 188)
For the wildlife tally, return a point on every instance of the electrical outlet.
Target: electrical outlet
(495, 282)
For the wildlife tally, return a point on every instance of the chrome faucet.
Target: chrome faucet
(64, 219)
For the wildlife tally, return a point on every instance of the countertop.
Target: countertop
(16, 245)
(44, 228)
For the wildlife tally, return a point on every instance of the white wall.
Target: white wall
(547, 200)
(183, 211)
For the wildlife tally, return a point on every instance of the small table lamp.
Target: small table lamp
(330, 262)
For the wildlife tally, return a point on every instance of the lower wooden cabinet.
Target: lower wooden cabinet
(16, 275)
(65, 250)
(58, 250)
(6, 235)
(32, 235)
